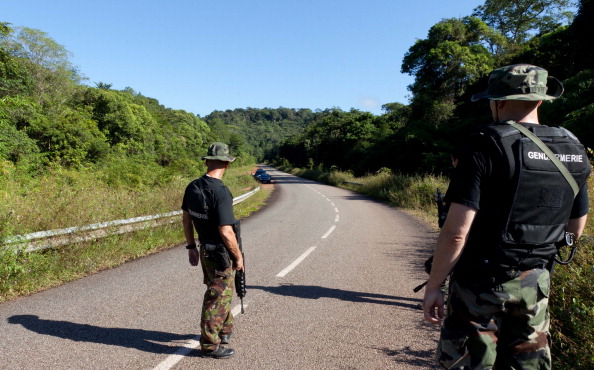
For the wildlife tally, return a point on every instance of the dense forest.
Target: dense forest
(49, 117)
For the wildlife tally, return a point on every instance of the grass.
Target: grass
(77, 201)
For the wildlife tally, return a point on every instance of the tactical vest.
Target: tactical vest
(201, 200)
(522, 233)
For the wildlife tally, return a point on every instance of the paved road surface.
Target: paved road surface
(329, 273)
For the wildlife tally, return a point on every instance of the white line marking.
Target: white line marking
(335, 209)
(192, 344)
(179, 354)
(237, 309)
(295, 263)
(337, 218)
(329, 232)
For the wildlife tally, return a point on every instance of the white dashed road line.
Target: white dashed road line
(295, 263)
(329, 232)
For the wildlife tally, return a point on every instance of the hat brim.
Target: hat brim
(554, 90)
(219, 158)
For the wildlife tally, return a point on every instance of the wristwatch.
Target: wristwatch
(191, 246)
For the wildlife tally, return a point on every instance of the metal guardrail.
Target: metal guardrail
(52, 238)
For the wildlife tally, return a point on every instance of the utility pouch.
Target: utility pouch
(218, 254)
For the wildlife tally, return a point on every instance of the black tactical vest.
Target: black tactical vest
(525, 214)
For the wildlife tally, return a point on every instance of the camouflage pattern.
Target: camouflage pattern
(521, 82)
(506, 327)
(219, 151)
(216, 317)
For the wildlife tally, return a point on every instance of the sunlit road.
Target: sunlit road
(330, 275)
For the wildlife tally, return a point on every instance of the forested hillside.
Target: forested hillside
(259, 131)
(48, 117)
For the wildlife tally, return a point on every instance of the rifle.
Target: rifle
(239, 275)
(442, 212)
(441, 209)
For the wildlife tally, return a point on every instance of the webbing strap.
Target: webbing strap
(550, 154)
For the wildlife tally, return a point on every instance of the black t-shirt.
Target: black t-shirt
(220, 208)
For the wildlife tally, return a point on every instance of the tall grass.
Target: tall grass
(572, 302)
(62, 198)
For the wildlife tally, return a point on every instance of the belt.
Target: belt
(492, 277)
(514, 272)
(210, 247)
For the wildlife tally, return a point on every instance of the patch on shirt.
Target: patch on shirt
(551, 197)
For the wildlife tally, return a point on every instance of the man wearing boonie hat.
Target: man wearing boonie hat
(208, 208)
(511, 207)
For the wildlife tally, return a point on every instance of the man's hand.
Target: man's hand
(238, 265)
(193, 256)
(433, 305)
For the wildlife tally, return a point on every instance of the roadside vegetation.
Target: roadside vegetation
(63, 199)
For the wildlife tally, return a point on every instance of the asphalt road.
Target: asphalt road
(330, 275)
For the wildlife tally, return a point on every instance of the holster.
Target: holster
(218, 254)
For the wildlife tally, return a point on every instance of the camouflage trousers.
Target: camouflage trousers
(216, 318)
(503, 327)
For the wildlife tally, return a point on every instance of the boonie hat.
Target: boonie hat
(521, 82)
(219, 151)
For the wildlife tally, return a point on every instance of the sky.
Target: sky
(202, 56)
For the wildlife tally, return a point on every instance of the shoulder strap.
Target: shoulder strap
(205, 198)
(550, 154)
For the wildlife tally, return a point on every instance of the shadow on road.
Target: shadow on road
(423, 358)
(317, 292)
(142, 340)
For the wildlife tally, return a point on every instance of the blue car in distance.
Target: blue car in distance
(262, 176)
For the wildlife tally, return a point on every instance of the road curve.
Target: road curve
(330, 275)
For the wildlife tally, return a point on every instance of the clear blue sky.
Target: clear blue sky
(201, 56)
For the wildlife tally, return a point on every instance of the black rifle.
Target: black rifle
(239, 275)
(442, 212)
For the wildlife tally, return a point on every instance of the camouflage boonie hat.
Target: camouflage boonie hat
(219, 151)
(521, 82)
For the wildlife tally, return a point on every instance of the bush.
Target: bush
(572, 313)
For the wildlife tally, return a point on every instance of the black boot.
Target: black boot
(225, 338)
(220, 352)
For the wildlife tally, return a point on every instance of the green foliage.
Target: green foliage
(455, 54)
(518, 19)
(15, 144)
(13, 261)
(257, 132)
(571, 304)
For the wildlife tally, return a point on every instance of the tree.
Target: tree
(455, 54)
(14, 78)
(47, 62)
(519, 19)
